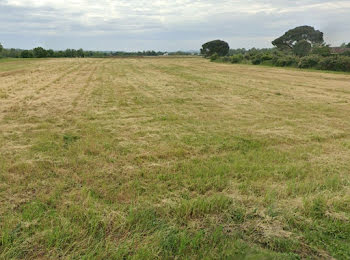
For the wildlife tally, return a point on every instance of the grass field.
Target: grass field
(172, 158)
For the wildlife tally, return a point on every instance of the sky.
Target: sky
(164, 25)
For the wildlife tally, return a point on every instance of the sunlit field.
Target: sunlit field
(163, 158)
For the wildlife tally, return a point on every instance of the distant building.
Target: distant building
(166, 54)
(339, 50)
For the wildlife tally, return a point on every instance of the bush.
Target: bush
(266, 57)
(247, 56)
(340, 63)
(309, 61)
(285, 61)
(275, 59)
(324, 51)
(213, 57)
(226, 59)
(346, 53)
(237, 58)
(259, 58)
(256, 60)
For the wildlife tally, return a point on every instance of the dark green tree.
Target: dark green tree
(13, 53)
(80, 53)
(39, 52)
(50, 53)
(302, 48)
(26, 54)
(1, 48)
(293, 36)
(69, 53)
(219, 47)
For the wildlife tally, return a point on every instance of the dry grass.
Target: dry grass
(172, 158)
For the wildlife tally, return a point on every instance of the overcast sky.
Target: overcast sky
(165, 25)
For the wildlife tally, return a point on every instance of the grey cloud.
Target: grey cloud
(165, 25)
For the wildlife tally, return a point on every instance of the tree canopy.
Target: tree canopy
(219, 47)
(293, 36)
(1, 48)
(26, 54)
(302, 48)
(39, 52)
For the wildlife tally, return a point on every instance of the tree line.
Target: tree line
(40, 52)
(301, 47)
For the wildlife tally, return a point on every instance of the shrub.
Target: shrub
(346, 53)
(266, 57)
(256, 60)
(247, 56)
(309, 61)
(213, 57)
(285, 61)
(259, 58)
(340, 63)
(275, 59)
(226, 59)
(324, 51)
(237, 58)
(328, 63)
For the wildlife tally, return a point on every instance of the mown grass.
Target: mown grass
(173, 158)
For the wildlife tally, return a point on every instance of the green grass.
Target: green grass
(172, 159)
(8, 64)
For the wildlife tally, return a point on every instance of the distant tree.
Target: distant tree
(1, 47)
(26, 54)
(347, 45)
(219, 47)
(237, 51)
(302, 48)
(68, 53)
(39, 52)
(50, 53)
(80, 53)
(74, 53)
(293, 36)
(58, 54)
(13, 53)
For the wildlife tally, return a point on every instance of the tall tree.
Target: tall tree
(293, 36)
(1, 48)
(219, 47)
(39, 52)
